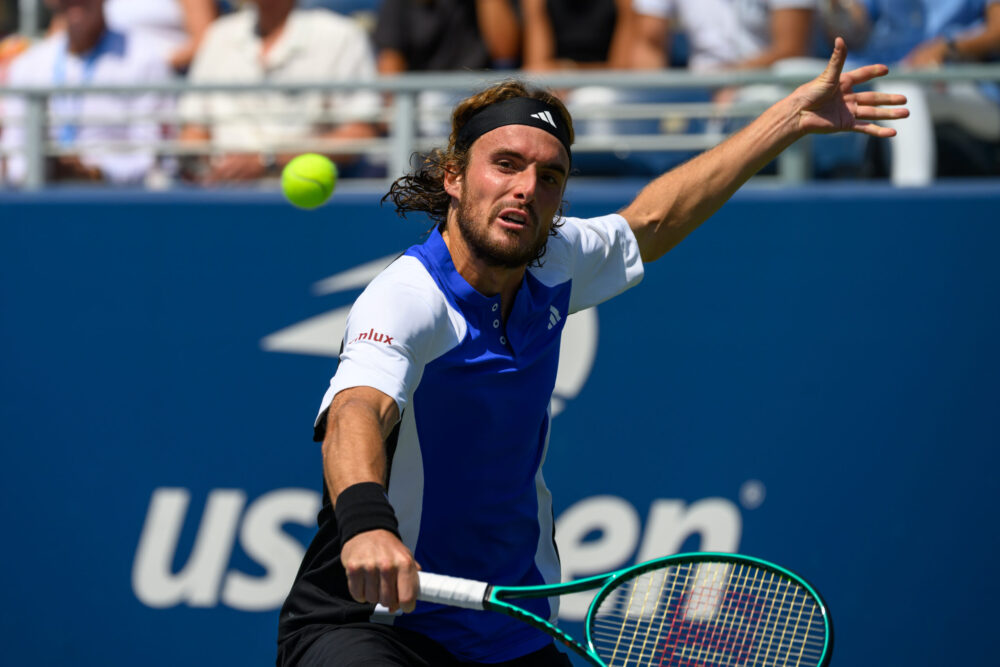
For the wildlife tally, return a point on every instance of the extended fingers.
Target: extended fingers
(880, 113)
(878, 99)
(863, 75)
(874, 130)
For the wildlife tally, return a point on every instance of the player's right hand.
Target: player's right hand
(381, 570)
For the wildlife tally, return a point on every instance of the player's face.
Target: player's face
(509, 193)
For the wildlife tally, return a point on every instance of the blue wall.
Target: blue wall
(810, 378)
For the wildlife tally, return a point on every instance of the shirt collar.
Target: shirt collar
(440, 259)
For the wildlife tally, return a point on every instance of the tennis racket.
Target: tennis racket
(688, 610)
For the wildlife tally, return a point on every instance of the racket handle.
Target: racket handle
(452, 591)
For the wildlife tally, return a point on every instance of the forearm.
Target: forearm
(539, 42)
(649, 48)
(979, 45)
(500, 30)
(790, 33)
(675, 204)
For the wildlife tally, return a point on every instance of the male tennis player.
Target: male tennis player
(435, 425)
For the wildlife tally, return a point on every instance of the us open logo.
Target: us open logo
(321, 335)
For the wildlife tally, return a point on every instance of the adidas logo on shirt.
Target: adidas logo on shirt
(545, 117)
(554, 315)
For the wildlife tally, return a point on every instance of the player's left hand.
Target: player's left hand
(828, 103)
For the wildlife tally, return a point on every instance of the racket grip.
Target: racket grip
(452, 591)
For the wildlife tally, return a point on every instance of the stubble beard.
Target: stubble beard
(510, 255)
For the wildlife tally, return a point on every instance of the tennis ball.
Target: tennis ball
(308, 180)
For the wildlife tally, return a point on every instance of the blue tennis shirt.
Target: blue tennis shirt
(465, 475)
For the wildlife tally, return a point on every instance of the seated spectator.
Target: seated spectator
(564, 35)
(86, 53)
(13, 44)
(445, 35)
(916, 33)
(919, 34)
(176, 25)
(272, 41)
(723, 34)
(576, 34)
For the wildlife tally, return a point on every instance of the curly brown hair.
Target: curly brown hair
(423, 189)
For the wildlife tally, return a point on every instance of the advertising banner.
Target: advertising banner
(811, 378)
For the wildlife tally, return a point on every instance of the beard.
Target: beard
(509, 253)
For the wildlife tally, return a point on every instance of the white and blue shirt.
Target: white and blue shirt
(465, 475)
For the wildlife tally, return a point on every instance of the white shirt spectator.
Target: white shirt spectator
(119, 59)
(721, 32)
(315, 46)
(161, 19)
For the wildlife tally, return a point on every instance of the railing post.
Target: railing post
(30, 20)
(794, 162)
(34, 141)
(403, 133)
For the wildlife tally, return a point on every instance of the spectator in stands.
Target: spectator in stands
(920, 34)
(254, 134)
(576, 34)
(177, 25)
(13, 44)
(564, 35)
(917, 33)
(88, 53)
(723, 34)
(443, 35)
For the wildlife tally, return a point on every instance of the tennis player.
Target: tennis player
(436, 424)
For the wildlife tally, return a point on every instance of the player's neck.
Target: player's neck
(486, 278)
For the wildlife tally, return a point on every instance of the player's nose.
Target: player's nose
(525, 183)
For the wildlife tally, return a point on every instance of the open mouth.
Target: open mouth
(513, 217)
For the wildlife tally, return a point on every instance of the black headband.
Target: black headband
(515, 111)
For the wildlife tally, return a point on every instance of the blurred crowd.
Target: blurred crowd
(228, 137)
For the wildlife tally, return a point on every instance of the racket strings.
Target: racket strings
(699, 614)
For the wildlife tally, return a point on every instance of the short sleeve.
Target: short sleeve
(398, 324)
(601, 256)
(659, 8)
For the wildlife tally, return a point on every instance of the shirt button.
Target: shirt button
(495, 306)
(503, 341)
(496, 324)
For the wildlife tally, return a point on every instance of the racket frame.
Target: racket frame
(496, 597)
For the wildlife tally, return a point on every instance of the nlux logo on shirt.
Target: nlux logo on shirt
(374, 336)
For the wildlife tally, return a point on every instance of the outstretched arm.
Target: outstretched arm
(673, 205)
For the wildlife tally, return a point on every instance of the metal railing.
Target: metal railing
(402, 115)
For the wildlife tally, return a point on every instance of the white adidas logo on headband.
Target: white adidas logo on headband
(545, 117)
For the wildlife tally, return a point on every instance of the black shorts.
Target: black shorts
(374, 645)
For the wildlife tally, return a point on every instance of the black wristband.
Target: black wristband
(363, 507)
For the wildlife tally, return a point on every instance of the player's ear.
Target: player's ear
(453, 180)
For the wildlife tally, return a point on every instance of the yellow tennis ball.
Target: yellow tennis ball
(308, 180)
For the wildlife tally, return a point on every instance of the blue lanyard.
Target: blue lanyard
(68, 133)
